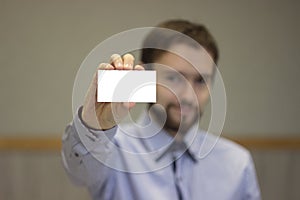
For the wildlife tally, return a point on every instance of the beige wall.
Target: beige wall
(44, 42)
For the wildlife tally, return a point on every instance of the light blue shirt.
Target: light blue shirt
(137, 163)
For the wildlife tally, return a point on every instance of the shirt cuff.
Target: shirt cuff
(91, 137)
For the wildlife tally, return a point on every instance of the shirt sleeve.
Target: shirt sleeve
(251, 186)
(80, 145)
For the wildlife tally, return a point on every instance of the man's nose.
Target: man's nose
(187, 93)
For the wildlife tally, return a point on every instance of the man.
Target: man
(159, 158)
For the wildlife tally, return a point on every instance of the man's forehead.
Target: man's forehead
(186, 73)
(188, 59)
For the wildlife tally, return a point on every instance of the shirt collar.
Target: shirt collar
(157, 140)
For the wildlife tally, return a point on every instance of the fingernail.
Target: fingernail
(128, 66)
(119, 64)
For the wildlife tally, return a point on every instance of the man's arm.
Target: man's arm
(80, 144)
(251, 186)
(92, 131)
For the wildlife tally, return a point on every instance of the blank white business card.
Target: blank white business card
(126, 86)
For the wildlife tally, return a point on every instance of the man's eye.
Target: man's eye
(200, 81)
(203, 80)
(174, 79)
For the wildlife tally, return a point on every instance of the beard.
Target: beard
(177, 118)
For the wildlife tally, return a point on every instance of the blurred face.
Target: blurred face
(183, 88)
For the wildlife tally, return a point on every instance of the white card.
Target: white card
(126, 86)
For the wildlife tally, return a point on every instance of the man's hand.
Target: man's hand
(106, 115)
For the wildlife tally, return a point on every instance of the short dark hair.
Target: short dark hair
(164, 39)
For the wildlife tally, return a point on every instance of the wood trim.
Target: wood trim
(54, 143)
(30, 144)
(269, 143)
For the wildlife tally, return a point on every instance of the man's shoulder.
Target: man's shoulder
(223, 147)
(231, 145)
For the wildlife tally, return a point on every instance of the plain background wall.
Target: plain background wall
(42, 44)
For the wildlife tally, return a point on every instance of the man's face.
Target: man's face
(183, 88)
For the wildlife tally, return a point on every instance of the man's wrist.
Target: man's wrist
(93, 124)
